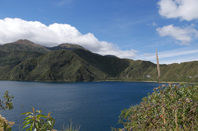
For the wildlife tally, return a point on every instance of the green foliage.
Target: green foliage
(35, 121)
(7, 103)
(172, 108)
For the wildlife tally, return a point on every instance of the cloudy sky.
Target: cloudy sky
(126, 28)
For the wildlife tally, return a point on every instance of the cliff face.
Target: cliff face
(26, 61)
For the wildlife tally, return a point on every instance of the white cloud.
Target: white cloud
(185, 35)
(173, 56)
(183, 9)
(12, 29)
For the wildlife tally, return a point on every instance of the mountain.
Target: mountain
(66, 46)
(146, 71)
(24, 45)
(11, 54)
(10, 59)
(24, 60)
(66, 65)
(61, 65)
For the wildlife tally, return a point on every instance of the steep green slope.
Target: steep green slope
(24, 45)
(147, 71)
(112, 66)
(139, 71)
(62, 65)
(187, 72)
(10, 59)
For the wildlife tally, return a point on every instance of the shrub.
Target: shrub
(6, 104)
(167, 108)
(37, 121)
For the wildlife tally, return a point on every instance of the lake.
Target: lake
(95, 106)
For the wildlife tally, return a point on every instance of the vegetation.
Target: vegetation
(66, 46)
(25, 61)
(34, 121)
(172, 108)
(6, 104)
(24, 45)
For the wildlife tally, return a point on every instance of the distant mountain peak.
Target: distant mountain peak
(24, 45)
(23, 40)
(67, 46)
(26, 42)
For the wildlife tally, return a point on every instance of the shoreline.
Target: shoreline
(106, 81)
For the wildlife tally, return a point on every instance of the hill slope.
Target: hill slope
(147, 71)
(26, 61)
(10, 59)
(24, 45)
(62, 65)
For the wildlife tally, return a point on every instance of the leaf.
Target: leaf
(28, 120)
(29, 117)
(41, 115)
(33, 110)
(31, 126)
(38, 111)
(48, 114)
(26, 113)
(36, 126)
(26, 125)
(49, 122)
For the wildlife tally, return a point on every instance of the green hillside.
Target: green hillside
(26, 61)
(24, 45)
(62, 65)
(10, 59)
(112, 66)
(146, 71)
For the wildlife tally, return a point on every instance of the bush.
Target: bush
(35, 121)
(169, 108)
(6, 104)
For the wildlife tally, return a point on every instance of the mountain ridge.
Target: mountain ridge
(24, 60)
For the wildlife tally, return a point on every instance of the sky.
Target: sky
(131, 29)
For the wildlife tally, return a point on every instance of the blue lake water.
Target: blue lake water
(95, 106)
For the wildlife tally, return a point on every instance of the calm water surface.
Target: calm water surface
(93, 105)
